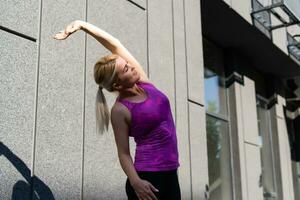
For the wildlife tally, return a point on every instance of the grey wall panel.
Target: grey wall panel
(197, 124)
(20, 16)
(103, 175)
(253, 166)
(249, 111)
(181, 101)
(194, 51)
(279, 36)
(247, 133)
(141, 3)
(235, 126)
(228, 2)
(160, 41)
(235, 93)
(285, 161)
(198, 146)
(243, 7)
(17, 72)
(277, 158)
(283, 150)
(60, 102)
(279, 106)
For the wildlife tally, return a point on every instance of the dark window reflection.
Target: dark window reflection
(219, 164)
(215, 93)
(218, 143)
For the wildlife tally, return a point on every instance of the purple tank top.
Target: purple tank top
(153, 129)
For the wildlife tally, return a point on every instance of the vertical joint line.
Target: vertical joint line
(83, 106)
(189, 130)
(36, 101)
(243, 134)
(174, 64)
(147, 30)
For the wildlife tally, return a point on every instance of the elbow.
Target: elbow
(123, 154)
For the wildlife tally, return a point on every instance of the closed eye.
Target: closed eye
(126, 66)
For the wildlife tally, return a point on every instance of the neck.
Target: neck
(129, 92)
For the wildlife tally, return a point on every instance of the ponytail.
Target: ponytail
(105, 74)
(102, 112)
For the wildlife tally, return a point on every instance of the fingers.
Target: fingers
(147, 197)
(61, 35)
(144, 190)
(149, 194)
(153, 188)
(152, 195)
(71, 28)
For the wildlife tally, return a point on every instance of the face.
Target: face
(127, 75)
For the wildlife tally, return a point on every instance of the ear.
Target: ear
(117, 86)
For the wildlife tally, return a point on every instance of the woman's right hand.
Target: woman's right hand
(143, 190)
(71, 28)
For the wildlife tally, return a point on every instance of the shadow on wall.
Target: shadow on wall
(34, 188)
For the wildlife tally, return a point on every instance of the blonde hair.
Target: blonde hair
(105, 75)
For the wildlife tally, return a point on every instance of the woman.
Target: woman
(140, 111)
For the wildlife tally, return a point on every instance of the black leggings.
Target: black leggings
(165, 181)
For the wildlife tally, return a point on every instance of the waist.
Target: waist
(149, 157)
(163, 172)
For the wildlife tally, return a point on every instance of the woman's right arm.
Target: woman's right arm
(120, 129)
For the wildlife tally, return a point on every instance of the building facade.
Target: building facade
(229, 68)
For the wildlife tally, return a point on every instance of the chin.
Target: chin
(139, 77)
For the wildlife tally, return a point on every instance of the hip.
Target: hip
(165, 181)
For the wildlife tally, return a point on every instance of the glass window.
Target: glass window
(270, 173)
(214, 83)
(296, 178)
(219, 165)
(217, 125)
(262, 20)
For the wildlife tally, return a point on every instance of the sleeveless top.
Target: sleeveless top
(153, 129)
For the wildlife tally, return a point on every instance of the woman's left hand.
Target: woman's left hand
(71, 28)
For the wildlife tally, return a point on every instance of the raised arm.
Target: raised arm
(107, 40)
(100, 35)
(115, 46)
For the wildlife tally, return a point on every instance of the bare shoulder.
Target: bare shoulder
(119, 110)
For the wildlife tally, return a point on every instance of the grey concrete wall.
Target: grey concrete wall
(18, 71)
(195, 95)
(60, 98)
(17, 101)
(244, 125)
(247, 159)
(20, 16)
(49, 148)
(181, 106)
(283, 149)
